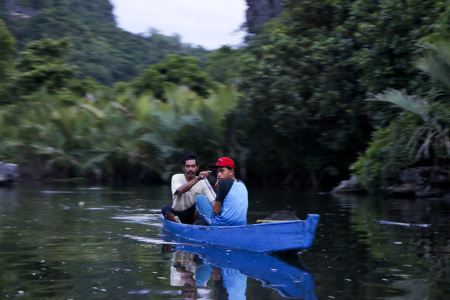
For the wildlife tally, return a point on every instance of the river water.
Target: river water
(83, 242)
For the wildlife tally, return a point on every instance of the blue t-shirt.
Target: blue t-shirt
(234, 197)
(235, 282)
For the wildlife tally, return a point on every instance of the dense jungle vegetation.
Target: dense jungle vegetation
(304, 102)
(100, 49)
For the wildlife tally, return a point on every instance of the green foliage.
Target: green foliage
(386, 35)
(42, 65)
(132, 138)
(434, 60)
(422, 128)
(387, 153)
(178, 70)
(298, 88)
(101, 50)
(186, 122)
(223, 65)
(6, 63)
(64, 127)
(305, 78)
(435, 119)
(6, 51)
(299, 116)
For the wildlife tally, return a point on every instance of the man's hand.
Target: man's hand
(204, 174)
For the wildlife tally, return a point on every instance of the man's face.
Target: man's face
(224, 173)
(189, 292)
(190, 169)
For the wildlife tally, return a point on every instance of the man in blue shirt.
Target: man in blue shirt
(231, 204)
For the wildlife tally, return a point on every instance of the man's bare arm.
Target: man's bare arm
(217, 206)
(188, 185)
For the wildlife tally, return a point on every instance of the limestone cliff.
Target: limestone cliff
(261, 11)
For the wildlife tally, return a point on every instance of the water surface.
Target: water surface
(84, 242)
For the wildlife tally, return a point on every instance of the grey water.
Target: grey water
(60, 241)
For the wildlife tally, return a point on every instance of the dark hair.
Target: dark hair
(189, 156)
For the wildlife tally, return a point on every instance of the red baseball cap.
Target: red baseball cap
(223, 162)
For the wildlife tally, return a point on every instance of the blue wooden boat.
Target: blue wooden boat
(265, 237)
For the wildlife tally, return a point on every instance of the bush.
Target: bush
(388, 152)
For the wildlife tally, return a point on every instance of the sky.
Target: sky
(209, 23)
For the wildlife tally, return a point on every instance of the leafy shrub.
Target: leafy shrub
(389, 150)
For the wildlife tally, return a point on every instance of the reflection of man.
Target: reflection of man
(192, 277)
(192, 274)
(185, 187)
(182, 273)
(229, 284)
(182, 270)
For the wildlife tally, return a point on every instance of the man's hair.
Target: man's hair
(189, 156)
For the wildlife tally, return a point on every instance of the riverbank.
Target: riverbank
(419, 182)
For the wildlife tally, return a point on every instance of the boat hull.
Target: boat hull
(266, 237)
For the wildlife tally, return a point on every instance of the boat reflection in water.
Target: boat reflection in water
(229, 270)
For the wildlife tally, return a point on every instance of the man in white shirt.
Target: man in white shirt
(185, 188)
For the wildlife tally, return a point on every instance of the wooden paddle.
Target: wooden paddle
(210, 187)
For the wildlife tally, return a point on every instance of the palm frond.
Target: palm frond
(94, 110)
(413, 104)
(436, 60)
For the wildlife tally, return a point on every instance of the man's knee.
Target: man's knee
(201, 199)
(166, 209)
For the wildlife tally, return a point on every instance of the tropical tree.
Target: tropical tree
(305, 77)
(6, 63)
(42, 65)
(186, 122)
(102, 50)
(223, 65)
(420, 133)
(121, 139)
(178, 70)
(297, 85)
(7, 51)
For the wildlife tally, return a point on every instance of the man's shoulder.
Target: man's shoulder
(178, 177)
(226, 184)
(178, 180)
(241, 186)
(238, 186)
(231, 181)
(241, 183)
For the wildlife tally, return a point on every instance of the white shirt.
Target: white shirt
(186, 200)
(184, 260)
